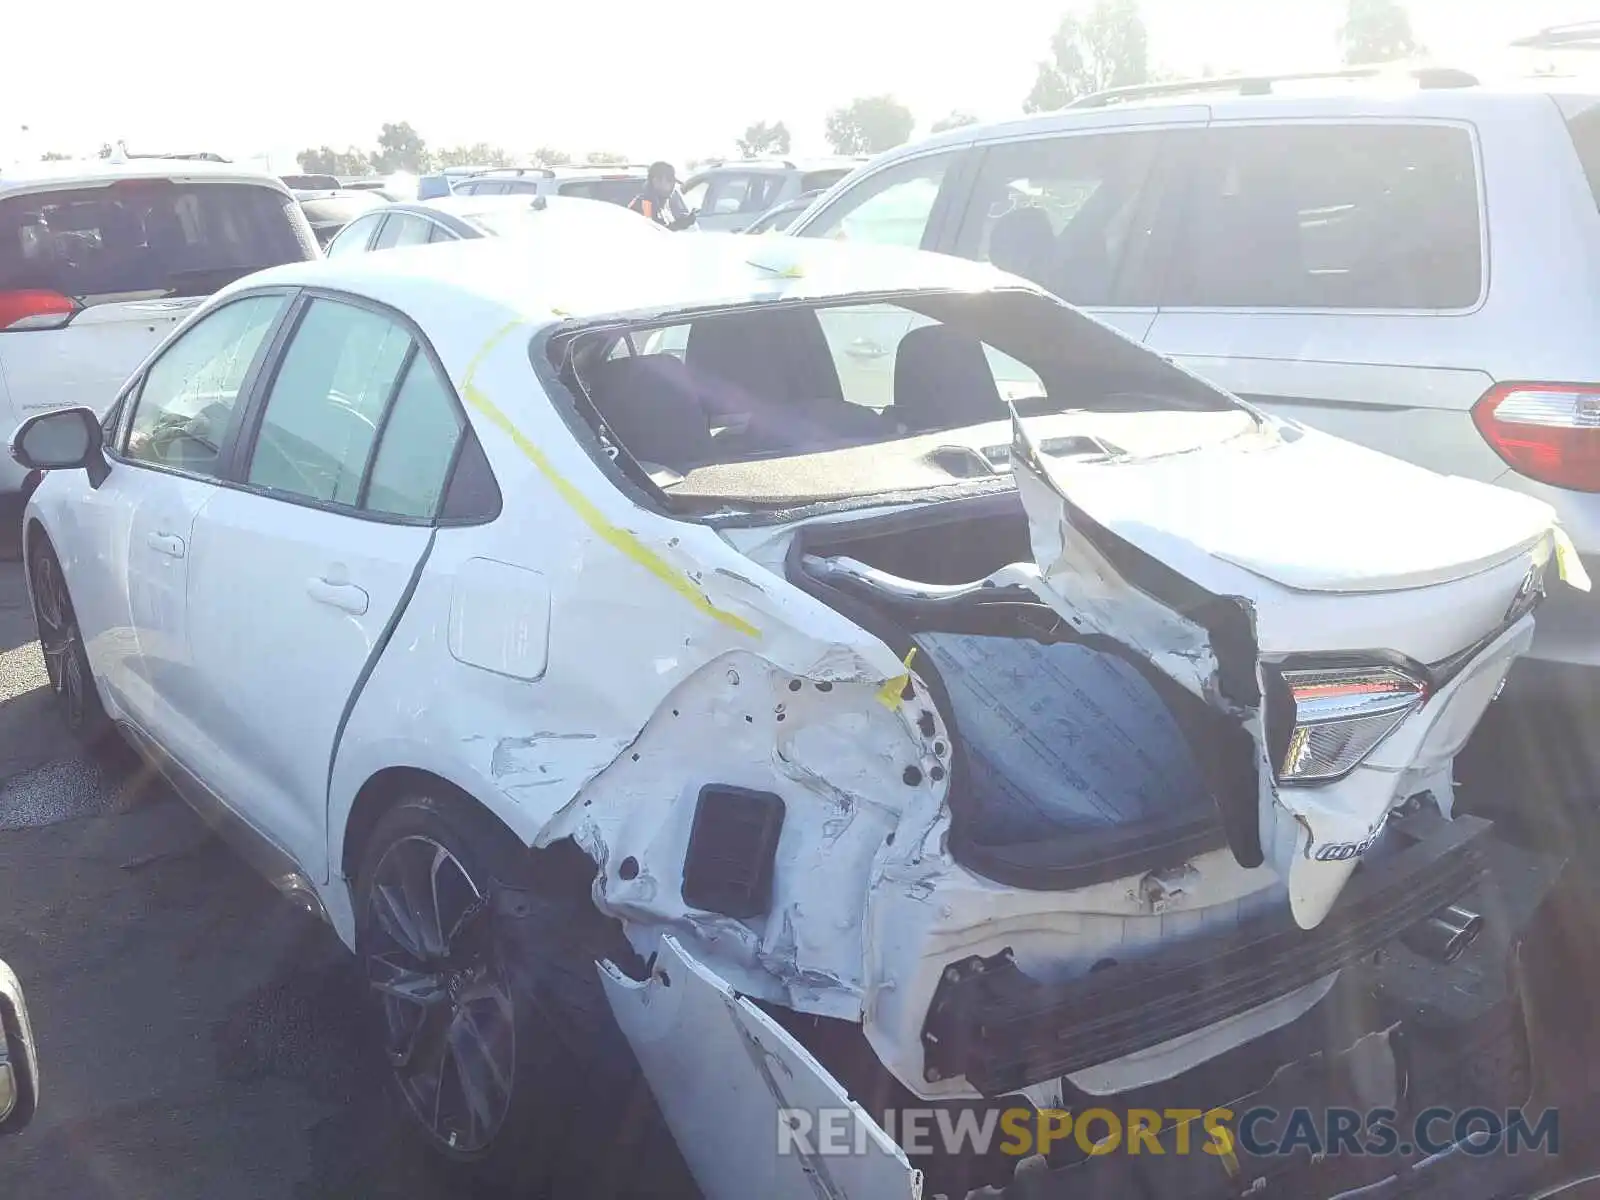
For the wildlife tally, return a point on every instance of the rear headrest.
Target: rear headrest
(777, 355)
(942, 380)
(650, 404)
(1024, 243)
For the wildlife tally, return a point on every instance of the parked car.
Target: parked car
(728, 196)
(390, 187)
(19, 1057)
(100, 261)
(330, 211)
(1405, 267)
(995, 752)
(614, 184)
(779, 217)
(442, 183)
(453, 218)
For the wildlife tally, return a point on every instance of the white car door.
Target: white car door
(168, 450)
(297, 573)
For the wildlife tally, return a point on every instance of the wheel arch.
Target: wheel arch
(33, 531)
(563, 861)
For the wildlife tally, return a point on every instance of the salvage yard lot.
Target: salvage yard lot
(197, 1034)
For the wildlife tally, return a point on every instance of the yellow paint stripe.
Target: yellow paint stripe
(889, 693)
(615, 535)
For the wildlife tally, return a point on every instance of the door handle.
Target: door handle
(865, 348)
(340, 595)
(165, 543)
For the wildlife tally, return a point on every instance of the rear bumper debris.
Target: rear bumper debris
(1003, 1030)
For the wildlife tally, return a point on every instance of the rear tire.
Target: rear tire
(574, 1117)
(66, 662)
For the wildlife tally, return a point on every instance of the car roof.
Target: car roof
(553, 275)
(1374, 97)
(785, 165)
(42, 176)
(467, 205)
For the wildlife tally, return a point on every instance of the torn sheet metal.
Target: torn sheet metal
(839, 761)
(759, 1128)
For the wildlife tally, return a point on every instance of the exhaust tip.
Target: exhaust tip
(1444, 936)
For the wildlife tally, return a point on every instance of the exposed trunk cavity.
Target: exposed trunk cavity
(1075, 759)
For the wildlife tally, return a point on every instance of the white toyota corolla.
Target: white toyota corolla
(702, 711)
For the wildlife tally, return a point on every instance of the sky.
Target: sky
(671, 78)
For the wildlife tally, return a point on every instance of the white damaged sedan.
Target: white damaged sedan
(645, 661)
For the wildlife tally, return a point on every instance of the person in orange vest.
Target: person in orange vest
(661, 201)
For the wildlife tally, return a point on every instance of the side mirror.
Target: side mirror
(19, 1064)
(60, 441)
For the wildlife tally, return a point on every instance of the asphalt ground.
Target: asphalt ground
(198, 1036)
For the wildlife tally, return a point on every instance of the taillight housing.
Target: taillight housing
(35, 309)
(1331, 718)
(1549, 432)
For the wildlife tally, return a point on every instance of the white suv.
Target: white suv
(1413, 267)
(99, 261)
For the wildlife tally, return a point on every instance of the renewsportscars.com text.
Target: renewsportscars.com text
(1259, 1132)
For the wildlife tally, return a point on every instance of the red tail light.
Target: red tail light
(35, 310)
(1549, 432)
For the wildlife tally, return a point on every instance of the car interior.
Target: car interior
(765, 382)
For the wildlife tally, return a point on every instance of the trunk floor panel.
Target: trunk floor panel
(1061, 737)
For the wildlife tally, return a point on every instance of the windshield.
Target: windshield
(778, 219)
(796, 403)
(142, 235)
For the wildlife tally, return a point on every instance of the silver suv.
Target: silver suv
(729, 196)
(615, 184)
(1415, 268)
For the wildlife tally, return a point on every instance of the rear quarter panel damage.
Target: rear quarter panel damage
(638, 604)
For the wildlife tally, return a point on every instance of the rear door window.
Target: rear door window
(1584, 128)
(353, 238)
(1319, 216)
(408, 475)
(403, 229)
(358, 417)
(321, 416)
(146, 235)
(1065, 211)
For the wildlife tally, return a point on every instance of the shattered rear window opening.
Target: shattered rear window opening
(787, 403)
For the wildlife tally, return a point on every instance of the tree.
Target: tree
(1376, 31)
(869, 124)
(604, 158)
(325, 160)
(400, 148)
(762, 138)
(1108, 48)
(549, 156)
(954, 121)
(479, 154)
